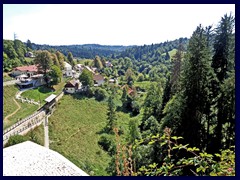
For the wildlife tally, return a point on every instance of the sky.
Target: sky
(108, 24)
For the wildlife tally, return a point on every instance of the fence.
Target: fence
(25, 125)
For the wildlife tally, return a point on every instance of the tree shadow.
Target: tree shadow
(45, 90)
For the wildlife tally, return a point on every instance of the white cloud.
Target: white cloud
(111, 24)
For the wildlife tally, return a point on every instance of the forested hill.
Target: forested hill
(83, 51)
(152, 52)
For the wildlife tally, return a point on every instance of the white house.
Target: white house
(68, 69)
(72, 86)
(79, 67)
(98, 79)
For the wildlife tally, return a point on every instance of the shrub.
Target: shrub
(16, 139)
(100, 94)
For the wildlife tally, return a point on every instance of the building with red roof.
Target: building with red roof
(27, 70)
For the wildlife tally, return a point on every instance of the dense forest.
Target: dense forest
(188, 107)
(88, 51)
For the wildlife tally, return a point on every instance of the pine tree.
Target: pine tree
(177, 63)
(111, 114)
(223, 65)
(97, 63)
(195, 89)
(70, 58)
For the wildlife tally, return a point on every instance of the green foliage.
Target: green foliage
(70, 58)
(100, 94)
(223, 65)
(134, 131)
(98, 63)
(129, 77)
(55, 74)
(197, 163)
(172, 113)
(111, 114)
(16, 139)
(140, 77)
(60, 58)
(44, 61)
(86, 78)
(55, 60)
(13, 54)
(153, 102)
(106, 142)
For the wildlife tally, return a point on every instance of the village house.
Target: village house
(108, 64)
(98, 79)
(33, 81)
(72, 86)
(79, 68)
(27, 70)
(67, 70)
(29, 54)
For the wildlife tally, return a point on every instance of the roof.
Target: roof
(30, 159)
(50, 98)
(32, 68)
(89, 69)
(98, 77)
(71, 83)
(22, 76)
(67, 64)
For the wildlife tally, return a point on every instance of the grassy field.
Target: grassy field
(37, 135)
(171, 53)
(6, 77)
(144, 84)
(29, 60)
(9, 106)
(43, 92)
(74, 131)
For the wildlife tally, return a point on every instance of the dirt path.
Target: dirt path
(19, 107)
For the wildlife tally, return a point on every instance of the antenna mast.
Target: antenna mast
(15, 36)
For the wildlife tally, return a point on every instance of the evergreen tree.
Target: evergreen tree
(60, 58)
(223, 65)
(97, 63)
(153, 103)
(70, 58)
(29, 44)
(195, 82)
(55, 60)
(167, 56)
(111, 114)
(177, 63)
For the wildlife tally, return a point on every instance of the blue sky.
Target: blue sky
(124, 24)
